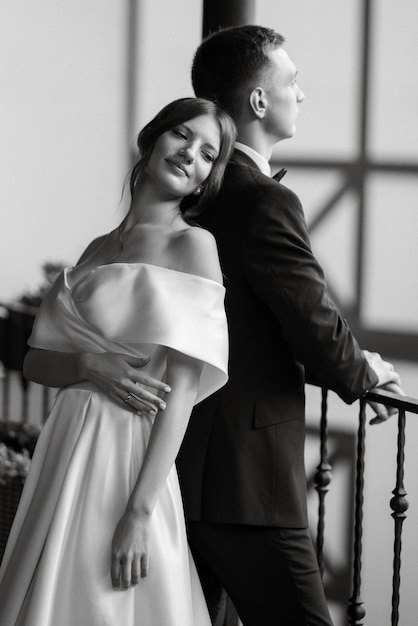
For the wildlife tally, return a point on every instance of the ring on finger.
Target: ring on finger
(128, 397)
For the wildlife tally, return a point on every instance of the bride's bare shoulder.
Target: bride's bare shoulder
(91, 248)
(197, 253)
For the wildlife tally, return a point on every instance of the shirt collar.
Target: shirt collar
(258, 158)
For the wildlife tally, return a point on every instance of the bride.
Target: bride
(99, 536)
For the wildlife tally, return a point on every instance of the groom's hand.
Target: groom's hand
(121, 378)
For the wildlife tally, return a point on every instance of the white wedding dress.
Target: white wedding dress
(56, 568)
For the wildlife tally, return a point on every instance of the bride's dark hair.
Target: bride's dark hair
(172, 115)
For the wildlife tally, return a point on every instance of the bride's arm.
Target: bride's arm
(114, 374)
(130, 549)
(130, 556)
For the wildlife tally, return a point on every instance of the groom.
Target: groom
(241, 464)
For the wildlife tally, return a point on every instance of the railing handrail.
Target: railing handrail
(405, 403)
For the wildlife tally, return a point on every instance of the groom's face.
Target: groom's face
(283, 95)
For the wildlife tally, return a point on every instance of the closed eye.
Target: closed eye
(208, 156)
(179, 133)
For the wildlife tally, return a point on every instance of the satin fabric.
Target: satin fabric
(56, 567)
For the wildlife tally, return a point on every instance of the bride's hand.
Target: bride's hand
(130, 551)
(117, 376)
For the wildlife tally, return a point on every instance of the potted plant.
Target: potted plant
(17, 443)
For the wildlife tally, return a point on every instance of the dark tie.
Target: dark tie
(279, 175)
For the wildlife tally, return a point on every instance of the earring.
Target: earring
(198, 191)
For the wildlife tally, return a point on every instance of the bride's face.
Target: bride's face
(183, 157)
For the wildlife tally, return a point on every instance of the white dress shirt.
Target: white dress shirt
(258, 158)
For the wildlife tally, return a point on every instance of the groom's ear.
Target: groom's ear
(258, 102)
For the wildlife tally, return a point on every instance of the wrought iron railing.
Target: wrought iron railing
(398, 502)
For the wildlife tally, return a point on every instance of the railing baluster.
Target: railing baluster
(45, 404)
(356, 611)
(6, 395)
(399, 505)
(323, 478)
(24, 384)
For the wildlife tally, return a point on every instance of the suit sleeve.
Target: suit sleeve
(282, 270)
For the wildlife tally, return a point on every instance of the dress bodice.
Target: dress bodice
(138, 308)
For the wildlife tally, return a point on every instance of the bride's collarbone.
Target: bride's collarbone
(153, 246)
(148, 246)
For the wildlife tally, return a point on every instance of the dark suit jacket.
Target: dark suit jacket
(242, 459)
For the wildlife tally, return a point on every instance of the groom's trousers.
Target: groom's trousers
(271, 574)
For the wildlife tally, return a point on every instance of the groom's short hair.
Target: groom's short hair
(229, 63)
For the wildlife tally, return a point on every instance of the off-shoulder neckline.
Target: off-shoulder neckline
(133, 265)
